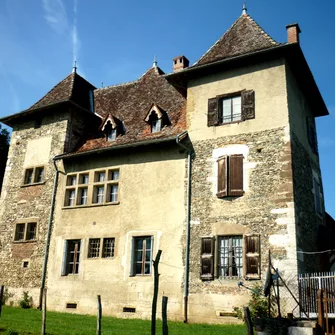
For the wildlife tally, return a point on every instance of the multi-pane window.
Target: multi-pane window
(108, 247)
(76, 189)
(71, 257)
(100, 188)
(237, 256)
(230, 260)
(106, 181)
(230, 110)
(95, 250)
(231, 107)
(25, 231)
(142, 255)
(34, 175)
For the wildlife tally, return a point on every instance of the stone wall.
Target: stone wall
(266, 208)
(307, 219)
(29, 203)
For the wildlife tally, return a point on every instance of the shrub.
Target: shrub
(26, 301)
(258, 305)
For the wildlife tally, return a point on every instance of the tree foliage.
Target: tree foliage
(4, 138)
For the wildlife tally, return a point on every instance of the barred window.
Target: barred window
(25, 231)
(230, 256)
(93, 248)
(33, 175)
(108, 247)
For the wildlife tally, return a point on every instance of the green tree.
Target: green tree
(4, 146)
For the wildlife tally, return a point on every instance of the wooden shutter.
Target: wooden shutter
(213, 113)
(207, 258)
(252, 268)
(222, 177)
(132, 258)
(235, 175)
(64, 264)
(248, 105)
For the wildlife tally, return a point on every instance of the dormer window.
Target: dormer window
(112, 127)
(157, 118)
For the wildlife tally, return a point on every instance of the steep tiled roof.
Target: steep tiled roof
(73, 88)
(130, 103)
(243, 37)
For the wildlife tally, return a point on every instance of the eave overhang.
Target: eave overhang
(118, 147)
(291, 52)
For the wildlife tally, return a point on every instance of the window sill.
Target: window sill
(33, 184)
(25, 241)
(92, 205)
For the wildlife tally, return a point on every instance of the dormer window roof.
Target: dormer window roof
(112, 127)
(157, 118)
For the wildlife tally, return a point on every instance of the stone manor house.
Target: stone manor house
(215, 164)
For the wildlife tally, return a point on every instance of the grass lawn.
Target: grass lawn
(28, 321)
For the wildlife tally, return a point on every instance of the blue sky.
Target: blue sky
(115, 42)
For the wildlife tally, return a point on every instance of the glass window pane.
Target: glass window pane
(139, 256)
(147, 268)
(138, 268)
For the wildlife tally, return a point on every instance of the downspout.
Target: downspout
(179, 138)
(46, 254)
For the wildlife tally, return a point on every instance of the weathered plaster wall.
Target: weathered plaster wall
(268, 82)
(29, 147)
(151, 196)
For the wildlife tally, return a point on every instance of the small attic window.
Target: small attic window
(157, 118)
(112, 127)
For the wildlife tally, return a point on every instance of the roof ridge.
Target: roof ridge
(72, 84)
(117, 85)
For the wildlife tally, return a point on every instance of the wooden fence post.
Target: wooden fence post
(1, 297)
(320, 308)
(154, 299)
(44, 310)
(247, 317)
(99, 316)
(164, 316)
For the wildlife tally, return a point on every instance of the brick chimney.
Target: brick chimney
(180, 63)
(293, 32)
